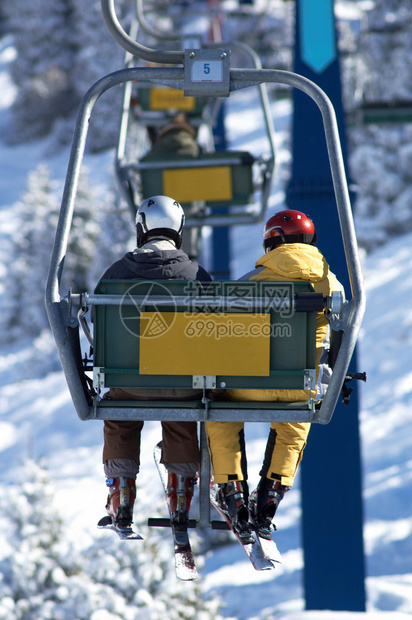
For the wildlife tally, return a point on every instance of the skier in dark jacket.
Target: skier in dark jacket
(159, 226)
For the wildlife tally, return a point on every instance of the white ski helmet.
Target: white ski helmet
(160, 216)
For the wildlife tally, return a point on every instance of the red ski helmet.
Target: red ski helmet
(288, 226)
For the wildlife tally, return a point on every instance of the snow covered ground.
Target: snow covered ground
(38, 421)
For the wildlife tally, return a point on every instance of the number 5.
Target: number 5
(206, 68)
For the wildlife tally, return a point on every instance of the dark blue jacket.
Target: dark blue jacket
(156, 265)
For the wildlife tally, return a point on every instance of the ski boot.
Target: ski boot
(263, 503)
(179, 497)
(120, 501)
(232, 499)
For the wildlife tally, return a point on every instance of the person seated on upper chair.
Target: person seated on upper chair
(180, 137)
(177, 136)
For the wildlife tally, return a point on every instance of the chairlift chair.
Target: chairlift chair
(66, 310)
(216, 189)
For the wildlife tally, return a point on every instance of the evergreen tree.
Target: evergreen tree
(98, 55)
(381, 152)
(29, 568)
(30, 256)
(31, 247)
(385, 47)
(117, 233)
(42, 69)
(44, 575)
(84, 232)
(63, 48)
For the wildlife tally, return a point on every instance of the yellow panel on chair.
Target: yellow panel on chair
(204, 344)
(170, 98)
(190, 184)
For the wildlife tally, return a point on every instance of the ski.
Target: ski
(185, 564)
(184, 559)
(269, 549)
(254, 551)
(268, 546)
(124, 533)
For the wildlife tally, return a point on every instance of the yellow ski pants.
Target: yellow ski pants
(283, 453)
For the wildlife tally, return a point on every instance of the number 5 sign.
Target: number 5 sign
(207, 72)
(211, 71)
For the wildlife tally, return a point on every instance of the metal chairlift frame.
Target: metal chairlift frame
(234, 217)
(122, 166)
(62, 310)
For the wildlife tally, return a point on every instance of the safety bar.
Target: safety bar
(300, 302)
(192, 163)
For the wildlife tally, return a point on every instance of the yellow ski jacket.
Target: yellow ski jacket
(293, 262)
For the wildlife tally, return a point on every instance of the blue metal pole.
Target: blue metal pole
(220, 234)
(331, 480)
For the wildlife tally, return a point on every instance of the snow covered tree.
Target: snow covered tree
(28, 567)
(85, 231)
(25, 280)
(381, 152)
(268, 30)
(98, 54)
(42, 69)
(44, 575)
(117, 233)
(385, 49)
(63, 47)
(23, 310)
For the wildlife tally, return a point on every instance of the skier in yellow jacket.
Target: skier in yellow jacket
(290, 255)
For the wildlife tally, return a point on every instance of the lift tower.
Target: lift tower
(334, 572)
